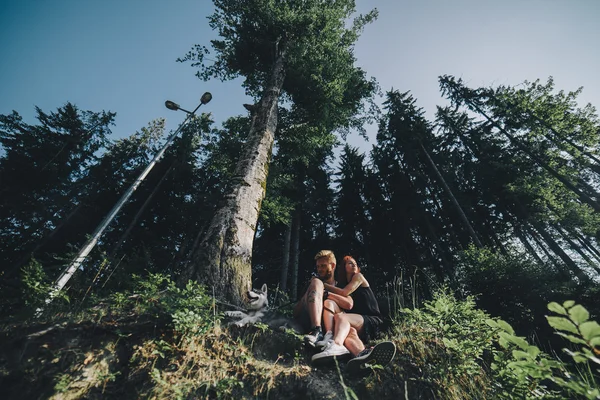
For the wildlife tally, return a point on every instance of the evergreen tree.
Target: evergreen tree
(298, 48)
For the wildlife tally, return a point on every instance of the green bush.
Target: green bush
(460, 326)
(190, 308)
(523, 371)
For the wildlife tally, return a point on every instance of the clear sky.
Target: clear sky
(120, 55)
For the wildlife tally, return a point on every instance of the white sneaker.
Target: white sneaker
(330, 351)
(326, 339)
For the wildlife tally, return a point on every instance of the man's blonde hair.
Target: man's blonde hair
(328, 254)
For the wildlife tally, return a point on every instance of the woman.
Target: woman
(352, 329)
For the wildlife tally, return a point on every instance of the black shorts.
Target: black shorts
(371, 328)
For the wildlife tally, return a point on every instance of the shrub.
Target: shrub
(523, 371)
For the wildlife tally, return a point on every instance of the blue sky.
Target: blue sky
(120, 55)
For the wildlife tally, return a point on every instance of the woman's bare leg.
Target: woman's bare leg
(343, 323)
(330, 308)
(353, 342)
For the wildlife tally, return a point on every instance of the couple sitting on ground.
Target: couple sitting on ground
(349, 313)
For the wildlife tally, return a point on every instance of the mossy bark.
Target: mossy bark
(222, 260)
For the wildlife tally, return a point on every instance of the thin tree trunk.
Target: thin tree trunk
(576, 247)
(555, 247)
(223, 258)
(461, 213)
(527, 245)
(286, 257)
(296, 252)
(588, 245)
(541, 245)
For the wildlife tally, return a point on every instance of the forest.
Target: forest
(492, 206)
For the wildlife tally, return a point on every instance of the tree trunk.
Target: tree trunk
(588, 245)
(286, 257)
(528, 245)
(551, 258)
(296, 251)
(576, 247)
(461, 213)
(223, 258)
(555, 247)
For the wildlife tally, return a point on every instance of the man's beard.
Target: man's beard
(328, 275)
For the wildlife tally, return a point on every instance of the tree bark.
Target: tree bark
(286, 257)
(222, 259)
(296, 251)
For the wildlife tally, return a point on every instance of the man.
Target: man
(309, 310)
(356, 326)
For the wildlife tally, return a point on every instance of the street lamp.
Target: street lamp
(171, 105)
(85, 250)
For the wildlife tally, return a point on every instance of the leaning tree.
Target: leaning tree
(299, 51)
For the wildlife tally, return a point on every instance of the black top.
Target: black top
(365, 302)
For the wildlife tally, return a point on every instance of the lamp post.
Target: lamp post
(89, 245)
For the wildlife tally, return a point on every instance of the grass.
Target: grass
(148, 344)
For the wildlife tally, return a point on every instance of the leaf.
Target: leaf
(533, 351)
(505, 326)
(519, 341)
(571, 338)
(579, 314)
(562, 324)
(503, 342)
(568, 304)
(491, 323)
(557, 308)
(589, 330)
(577, 356)
(521, 355)
(595, 341)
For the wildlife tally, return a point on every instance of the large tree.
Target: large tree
(301, 50)
(44, 173)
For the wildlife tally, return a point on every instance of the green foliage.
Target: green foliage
(313, 37)
(516, 288)
(36, 286)
(460, 326)
(522, 369)
(190, 308)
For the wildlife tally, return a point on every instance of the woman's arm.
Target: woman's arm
(345, 302)
(354, 284)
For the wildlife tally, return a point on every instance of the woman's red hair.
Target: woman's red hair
(342, 280)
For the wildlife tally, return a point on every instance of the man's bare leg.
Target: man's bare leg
(314, 302)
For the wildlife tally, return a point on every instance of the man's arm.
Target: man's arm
(345, 302)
